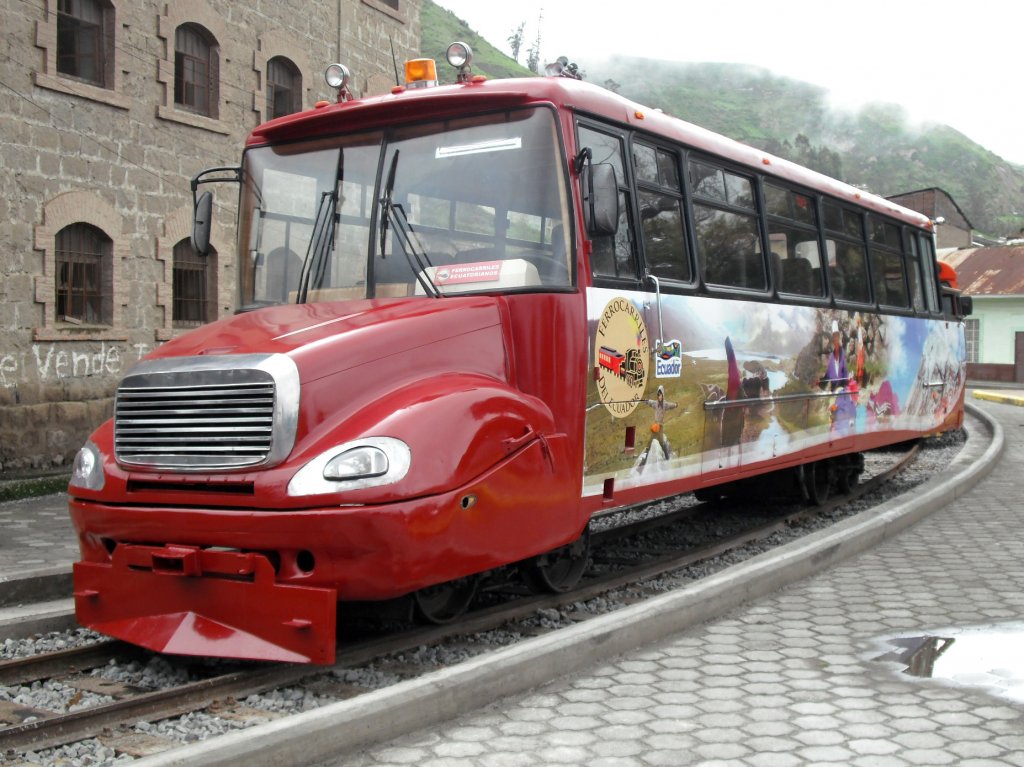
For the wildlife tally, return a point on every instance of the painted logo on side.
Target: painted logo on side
(621, 354)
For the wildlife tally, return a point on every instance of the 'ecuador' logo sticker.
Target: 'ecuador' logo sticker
(621, 356)
(668, 363)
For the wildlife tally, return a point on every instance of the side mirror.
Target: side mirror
(966, 306)
(201, 224)
(600, 199)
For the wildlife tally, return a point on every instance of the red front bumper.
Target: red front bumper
(191, 601)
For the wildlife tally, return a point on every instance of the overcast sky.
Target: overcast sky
(958, 63)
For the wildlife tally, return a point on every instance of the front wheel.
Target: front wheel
(560, 570)
(444, 602)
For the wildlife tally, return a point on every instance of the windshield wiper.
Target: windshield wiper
(322, 241)
(410, 245)
(393, 215)
(319, 244)
(385, 202)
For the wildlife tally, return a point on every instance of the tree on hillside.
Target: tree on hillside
(515, 41)
(533, 55)
(802, 151)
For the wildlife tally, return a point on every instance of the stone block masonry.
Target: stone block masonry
(116, 153)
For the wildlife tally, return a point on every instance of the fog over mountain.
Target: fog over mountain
(874, 146)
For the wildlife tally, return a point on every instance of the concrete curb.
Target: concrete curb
(37, 585)
(21, 622)
(1004, 399)
(341, 727)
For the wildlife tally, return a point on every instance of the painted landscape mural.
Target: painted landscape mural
(709, 384)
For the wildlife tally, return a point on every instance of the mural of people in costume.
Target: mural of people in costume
(836, 376)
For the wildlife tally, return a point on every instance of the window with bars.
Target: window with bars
(84, 256)
(972, 334)
(196, 70)
(284, 88)
(82, 40)
(192, 286)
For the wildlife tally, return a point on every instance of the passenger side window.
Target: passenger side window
(887, 264)
(793, 237)
(612, 255)
(928, 274)
(847, 265)
(727, 233)
(660, 199)
(913, 265)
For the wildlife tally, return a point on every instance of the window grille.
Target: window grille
(195, 71)
(284, 88)
(972, 334)
(191, 285)
(82, 253)
(81, 40)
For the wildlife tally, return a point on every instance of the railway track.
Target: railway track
(623, 560)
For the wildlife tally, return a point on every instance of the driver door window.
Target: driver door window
(612, 255)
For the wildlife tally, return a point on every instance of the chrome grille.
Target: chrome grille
(188, 414)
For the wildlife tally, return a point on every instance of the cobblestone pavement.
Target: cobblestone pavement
(795, 679)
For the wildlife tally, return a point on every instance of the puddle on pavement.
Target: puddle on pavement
(984, 658)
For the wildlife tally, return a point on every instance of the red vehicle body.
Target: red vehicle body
(391, 423)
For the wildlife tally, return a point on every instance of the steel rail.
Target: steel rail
(60, 729)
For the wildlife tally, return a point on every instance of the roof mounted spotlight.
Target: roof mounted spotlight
(460, 56)
(338, 77)
(562, 67)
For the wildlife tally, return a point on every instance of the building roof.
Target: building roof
(934, 202)
(989, 271)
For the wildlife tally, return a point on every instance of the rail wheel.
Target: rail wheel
(816, 481)
(559, 570)
(445, 602)
(709, 494)
(849, 471)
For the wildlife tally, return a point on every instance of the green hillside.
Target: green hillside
(875, 147)
(440, 28)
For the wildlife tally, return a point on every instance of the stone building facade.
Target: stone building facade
(110, 107)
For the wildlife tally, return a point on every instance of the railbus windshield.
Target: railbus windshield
(475, 204)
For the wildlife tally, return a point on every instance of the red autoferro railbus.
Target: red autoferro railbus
(469, 319)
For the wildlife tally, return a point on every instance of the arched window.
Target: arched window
(194, 286)
(84, 40)
(196, 70)
(284, 88)
(83, 257)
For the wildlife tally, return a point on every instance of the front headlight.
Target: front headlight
(360, 462)
(87, 472)
(368, 462)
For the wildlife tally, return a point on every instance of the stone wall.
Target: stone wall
(119, 158)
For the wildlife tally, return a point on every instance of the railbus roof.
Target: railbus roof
(403, 105)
